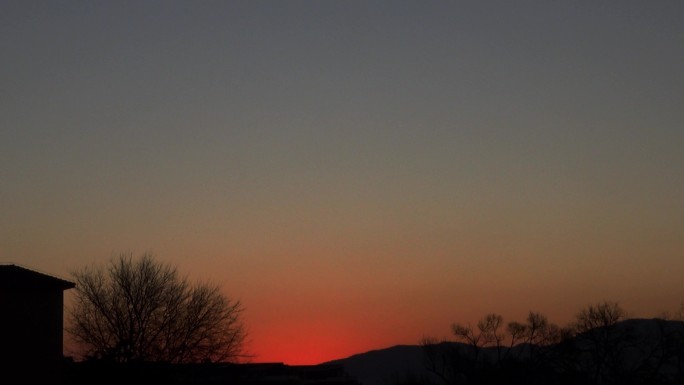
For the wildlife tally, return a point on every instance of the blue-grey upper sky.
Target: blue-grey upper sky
(321, 150)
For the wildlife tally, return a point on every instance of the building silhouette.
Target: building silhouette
(31, 326)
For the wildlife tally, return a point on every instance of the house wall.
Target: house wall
(31, 334)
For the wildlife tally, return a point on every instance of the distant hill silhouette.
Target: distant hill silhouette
(647, 351)
(385, 366)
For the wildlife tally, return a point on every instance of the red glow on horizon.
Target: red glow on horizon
(304, 347)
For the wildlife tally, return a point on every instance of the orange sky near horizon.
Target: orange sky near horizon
(358, 174)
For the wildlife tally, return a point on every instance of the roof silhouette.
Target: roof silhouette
(15, 276)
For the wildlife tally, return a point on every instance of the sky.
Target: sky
(358, 174)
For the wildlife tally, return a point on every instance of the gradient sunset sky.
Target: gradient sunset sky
(359, 174)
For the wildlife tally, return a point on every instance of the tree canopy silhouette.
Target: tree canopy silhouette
(142, 310)
(601, 346)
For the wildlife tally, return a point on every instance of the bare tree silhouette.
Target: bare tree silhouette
(142, 310)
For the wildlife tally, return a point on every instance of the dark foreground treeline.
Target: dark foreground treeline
(600, 348)
(98, 372)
